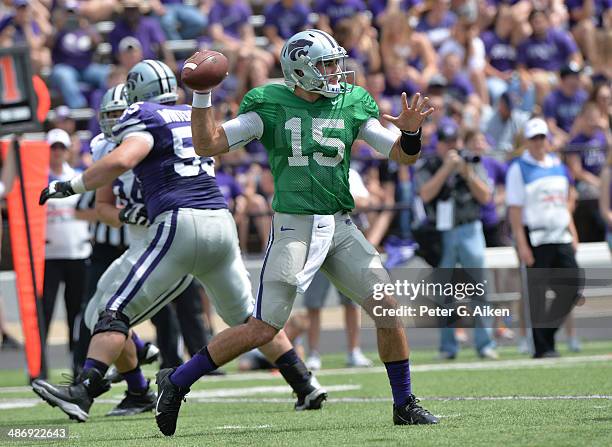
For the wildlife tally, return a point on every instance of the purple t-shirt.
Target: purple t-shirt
(230, 17)
(337, 10)
(287, 21)
(378, 6)
(592, 150)
(549, 53)
(439, 32)
(74, 48)
(148, 32)
(228, 185)
(460, 87)
(500, 52)
(600, 7)
(562, 109)
(172, 176)
(496, 175)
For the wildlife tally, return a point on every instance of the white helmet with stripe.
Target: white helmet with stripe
(112, 101)
(299, 58)
(151, 81)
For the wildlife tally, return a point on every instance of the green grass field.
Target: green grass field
(516, 401)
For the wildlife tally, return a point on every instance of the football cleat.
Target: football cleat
(412, 414)
(135, 403)
(169, 398)
(147, 355)
(74, 400)
(313, 396)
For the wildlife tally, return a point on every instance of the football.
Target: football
(204, 70)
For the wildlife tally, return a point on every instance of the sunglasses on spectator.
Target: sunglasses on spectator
(58, 146)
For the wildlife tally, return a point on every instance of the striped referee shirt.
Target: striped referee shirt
(101, 232)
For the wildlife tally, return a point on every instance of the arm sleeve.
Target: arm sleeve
(243, 129)
(377, 136)
(515, 189)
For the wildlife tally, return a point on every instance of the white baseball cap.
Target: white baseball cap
(58, 136)
(534, 127)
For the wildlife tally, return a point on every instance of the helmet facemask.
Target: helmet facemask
(113, 104)
(108, 119)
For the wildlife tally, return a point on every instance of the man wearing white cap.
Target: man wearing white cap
(68, 244)
(538, 198)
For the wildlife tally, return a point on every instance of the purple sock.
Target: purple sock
(187, 374)
(137, 341)
(93, 363)
(399, 378)
(136, 381)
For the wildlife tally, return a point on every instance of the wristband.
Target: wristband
(2, 190)
(77, 184)
(201, 100)
(410, 142)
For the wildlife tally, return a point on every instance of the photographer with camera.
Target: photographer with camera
(453, 186)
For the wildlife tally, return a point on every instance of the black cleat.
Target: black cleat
(412, 414)
(135, 403)
(74, 400)
(313, 396)
(147, 355)
(169, 398)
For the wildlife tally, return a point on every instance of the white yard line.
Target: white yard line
(451, 366)
(11, 404)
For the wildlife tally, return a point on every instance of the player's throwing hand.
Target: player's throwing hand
(413, 115)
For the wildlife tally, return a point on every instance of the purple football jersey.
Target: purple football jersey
(172, 176)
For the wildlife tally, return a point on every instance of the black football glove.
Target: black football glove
(134, 215)
(55, 190)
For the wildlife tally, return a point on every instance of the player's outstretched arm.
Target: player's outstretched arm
(407, 147)
(127, 155)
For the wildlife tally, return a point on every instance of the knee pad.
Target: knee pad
(112, 321)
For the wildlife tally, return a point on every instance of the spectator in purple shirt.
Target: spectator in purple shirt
(73, 47)
(284, 18)
(438, 22)
(500, 54)
(562, 105)
(544, 52)
(20, 27)
(179, 20)
(397, 82)
(332, 11)
(146, 29)
(458, 84)
(585, 158)
(477, 145)
(362, 48)
(231, 31)
(589, 22)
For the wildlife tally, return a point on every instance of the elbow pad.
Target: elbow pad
(411, 142)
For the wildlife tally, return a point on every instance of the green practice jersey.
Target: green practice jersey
(309, 145)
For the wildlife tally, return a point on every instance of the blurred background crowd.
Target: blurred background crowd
(488, 67)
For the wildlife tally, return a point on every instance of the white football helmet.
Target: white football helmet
(299, 58)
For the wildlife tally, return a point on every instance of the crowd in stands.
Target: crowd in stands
(487, 66)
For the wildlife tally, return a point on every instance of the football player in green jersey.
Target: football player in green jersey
(308, 127)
